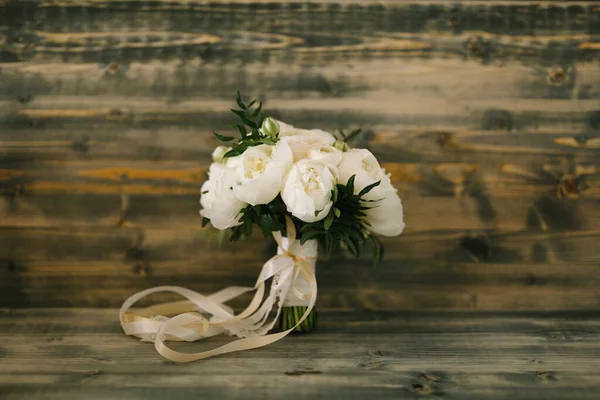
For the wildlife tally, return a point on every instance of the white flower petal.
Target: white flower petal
(362, 164)
(307, 190)
(301, 141)
(260, 172)
(386, 218)
(328, 155)
(218, 202)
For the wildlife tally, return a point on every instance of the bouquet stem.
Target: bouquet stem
(291, 315)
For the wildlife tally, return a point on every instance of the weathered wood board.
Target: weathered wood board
(487, 113)
(81, 353)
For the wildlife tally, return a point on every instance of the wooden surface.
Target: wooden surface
(487, 113)
(82, 354)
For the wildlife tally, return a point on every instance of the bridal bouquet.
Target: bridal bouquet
(307, 188)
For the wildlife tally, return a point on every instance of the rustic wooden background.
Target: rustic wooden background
(486, 112)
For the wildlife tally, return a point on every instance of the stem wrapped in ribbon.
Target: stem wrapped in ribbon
(292, 266)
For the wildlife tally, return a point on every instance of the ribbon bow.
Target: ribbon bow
(190, 324)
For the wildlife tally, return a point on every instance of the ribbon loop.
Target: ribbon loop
(293, 261)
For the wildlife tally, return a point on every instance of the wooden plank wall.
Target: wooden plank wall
(487, 113)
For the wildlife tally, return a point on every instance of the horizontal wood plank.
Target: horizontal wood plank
(492, 271)
(485, 113)
(80, 352)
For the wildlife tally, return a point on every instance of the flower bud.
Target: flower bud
(270, 127)
(341, 145)
(219, 152)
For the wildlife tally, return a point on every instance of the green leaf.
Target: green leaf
(261, 120)
(223, 138)
(242, 105)
(328, 221)
(245, 118)
(356, 236)
(352, 135)
(236, 233)
(328, 244)
(309, 235)
(249, 122)
(268, 140)
(238, 99)
(239, 113)
(247, 227)
(277, 206)
(352, 247)
(367, 189)
(235, 151)
(337, 212)
(350, 185)
(205, 221)
(334, 194)
(267, 222)
(242, 129)
(251, 103)
(378, 250)
(257, 111)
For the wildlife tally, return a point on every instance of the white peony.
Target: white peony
(302, 141)
(219, 204)
(328, 155)
(386, 217)
(232, 162)
(307, 190)
(260, 172)
(364, 166)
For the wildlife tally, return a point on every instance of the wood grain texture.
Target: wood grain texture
(486, 113)
(58, 353)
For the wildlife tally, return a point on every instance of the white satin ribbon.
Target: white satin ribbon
(292, 280)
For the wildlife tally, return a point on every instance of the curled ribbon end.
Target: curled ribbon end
(189, 324)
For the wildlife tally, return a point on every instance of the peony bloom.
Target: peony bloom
(302, 141)
(364, 166)
(260, 172)
(386, 217)
(328, 155)
(307, 190)
(219, 204)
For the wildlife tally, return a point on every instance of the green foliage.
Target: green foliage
(249, 129)
(223, 138)
(344, 224)
(269, 218)
(291, 315)
(349, 137)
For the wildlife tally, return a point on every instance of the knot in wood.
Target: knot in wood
(557, 75)
(571, 186)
